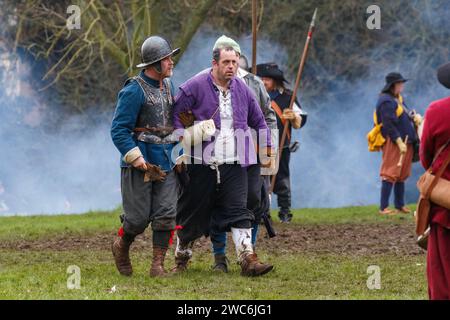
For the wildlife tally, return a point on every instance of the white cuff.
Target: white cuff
(420, 129)
(132, 155)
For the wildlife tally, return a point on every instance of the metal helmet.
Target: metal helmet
(154, 49)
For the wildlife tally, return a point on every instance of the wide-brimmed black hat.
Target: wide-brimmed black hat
(270, 70)
(391, 78)
(443, 75)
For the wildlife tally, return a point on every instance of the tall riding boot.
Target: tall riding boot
(285, 215)
(121, 252)
(157, 269)
(181, 263)
(220, 263)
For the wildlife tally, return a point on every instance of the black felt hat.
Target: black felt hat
(443, 75)
(270, 70)
(392, 78)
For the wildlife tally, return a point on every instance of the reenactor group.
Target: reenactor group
(226, 121)
(197, 161)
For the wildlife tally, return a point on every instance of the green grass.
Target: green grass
(367, 214)
(34, 227)
(34, 274)
(42, 275)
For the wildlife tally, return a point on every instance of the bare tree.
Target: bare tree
(106, 45)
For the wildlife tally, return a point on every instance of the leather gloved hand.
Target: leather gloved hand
(401, 145)
(187, 118)
(154, 173)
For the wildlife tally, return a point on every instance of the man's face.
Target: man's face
(398, 88)
(269, 83)
(227, 65)
(166, 67)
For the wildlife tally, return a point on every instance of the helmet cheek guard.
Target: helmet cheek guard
(157, 66)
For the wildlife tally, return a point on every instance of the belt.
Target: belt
(215, 166)
(153, 129)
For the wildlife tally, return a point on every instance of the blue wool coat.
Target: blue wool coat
(130, 100)
(393, 126)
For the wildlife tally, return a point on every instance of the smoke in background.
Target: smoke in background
(72, 168)
(76, 168)
(333, 166)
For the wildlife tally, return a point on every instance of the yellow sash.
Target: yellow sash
(375, 139)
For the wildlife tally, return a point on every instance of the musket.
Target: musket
(294, 94)
(254, 32)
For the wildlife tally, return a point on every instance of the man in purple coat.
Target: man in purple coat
(216, 198)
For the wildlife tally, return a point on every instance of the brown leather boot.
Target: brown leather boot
(181, 263)
(252, 267)
(121, 253)
(157, 269)
(220, 263)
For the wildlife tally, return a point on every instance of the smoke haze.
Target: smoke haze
(76, 168)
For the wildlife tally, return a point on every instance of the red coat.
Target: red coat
(436, 132)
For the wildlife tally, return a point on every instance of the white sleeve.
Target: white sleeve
(296, 109)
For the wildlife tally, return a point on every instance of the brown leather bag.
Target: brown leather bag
(432, 189)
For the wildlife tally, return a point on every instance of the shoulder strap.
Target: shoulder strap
(439, 152)
(215, 112)
(440, 171)
(279, 113)
(168, 85)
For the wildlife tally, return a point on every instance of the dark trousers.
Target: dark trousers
(399, 194)
(148, 202)
(206, 206)
(282, 187)
(438, 263)
(255, 194)
(257, 202)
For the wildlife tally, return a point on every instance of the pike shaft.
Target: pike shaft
(294, 94)
(254, 34)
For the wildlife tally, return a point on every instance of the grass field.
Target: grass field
(322, 254)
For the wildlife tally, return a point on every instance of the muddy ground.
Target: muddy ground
(345, 239)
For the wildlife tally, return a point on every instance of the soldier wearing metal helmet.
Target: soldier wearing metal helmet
(142, 132)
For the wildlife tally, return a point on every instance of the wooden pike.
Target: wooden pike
(254, 34)
(294, 94)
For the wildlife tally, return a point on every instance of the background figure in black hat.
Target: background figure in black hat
(280, 96)
(399, 128)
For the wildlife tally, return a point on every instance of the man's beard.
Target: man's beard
(168, 73)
